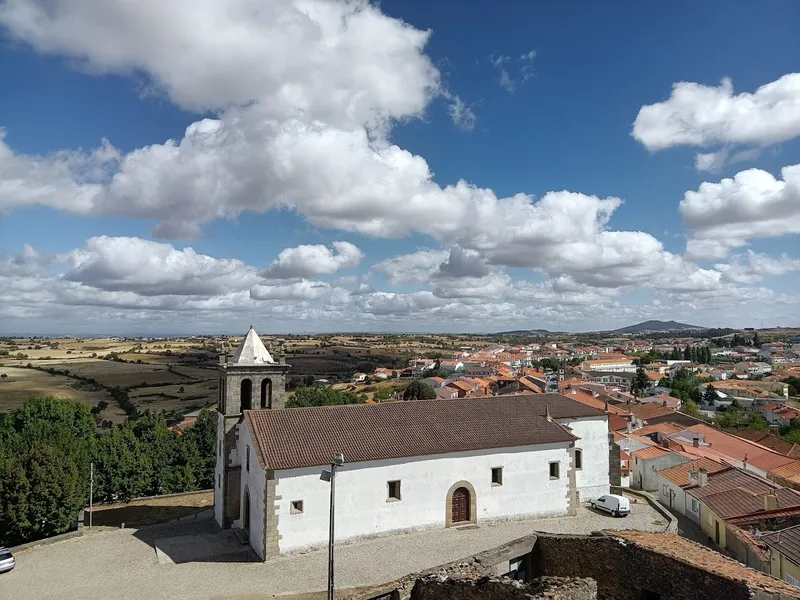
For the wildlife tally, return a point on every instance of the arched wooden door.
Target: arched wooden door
(246, 515)
(460, 505)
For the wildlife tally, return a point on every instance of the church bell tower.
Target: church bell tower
(249, 380)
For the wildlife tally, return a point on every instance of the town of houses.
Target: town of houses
(741, 488)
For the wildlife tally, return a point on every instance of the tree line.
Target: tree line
(48, 444)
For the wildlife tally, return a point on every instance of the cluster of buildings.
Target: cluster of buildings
(505, 442)
(742, 490)
(404, 465)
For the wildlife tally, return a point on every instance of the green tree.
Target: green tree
(758, 423)
(710, 396)
(794, 385)
(756, 340)
(170, 459)
(690, 408)
(640, 382)
(203, 435)
(419, 390)
(122, 468)
(322, 396)
(687, 353)
(45, 449)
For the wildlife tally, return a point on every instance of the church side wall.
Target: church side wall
(592, 480)
(363, 507)
(254, 482)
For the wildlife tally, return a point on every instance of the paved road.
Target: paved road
(122, 564)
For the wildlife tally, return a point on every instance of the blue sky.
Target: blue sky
(305, 146)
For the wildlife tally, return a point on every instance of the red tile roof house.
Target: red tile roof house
(674, 481)
(648, 461)
(732, 494)
(410, 465)
(663, 400)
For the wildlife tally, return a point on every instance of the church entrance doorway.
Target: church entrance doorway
(460, 506)
(246, 515)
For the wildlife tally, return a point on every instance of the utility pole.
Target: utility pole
(91, 492)
(336, 461)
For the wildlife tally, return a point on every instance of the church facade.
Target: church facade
(408, 465)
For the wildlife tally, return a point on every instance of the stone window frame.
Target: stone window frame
(497, 476)
(557, 464)
(389, 496)
(578, 459)
(296, 507)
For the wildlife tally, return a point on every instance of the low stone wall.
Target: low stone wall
(497, 588)
(672, 522)
(625, 571)
(625, 565)
(51, 540)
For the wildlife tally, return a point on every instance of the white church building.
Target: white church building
(408, 465)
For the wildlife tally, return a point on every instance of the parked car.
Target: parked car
(619, 506)
(7, 561)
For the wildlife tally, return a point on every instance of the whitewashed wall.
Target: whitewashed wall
(646, 471)
(255, 481)
(665, 486)
(362, 508)
(592, 480)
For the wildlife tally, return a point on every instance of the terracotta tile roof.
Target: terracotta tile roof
(786, 541)
(462, 385)
(617, 422)
(652, 452)
(679, 475)
(735, 493)
(304, 437)
(789, 471)
(666, 428)
(744, 503)
(651, 410)
(738, 448)
(700, 557)
(768, 440)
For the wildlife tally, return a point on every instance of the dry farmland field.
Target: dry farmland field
(152, 373)
(21, 383)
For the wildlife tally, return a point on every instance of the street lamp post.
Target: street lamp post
(336, 461)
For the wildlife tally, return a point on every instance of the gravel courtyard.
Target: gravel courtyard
(122, 564)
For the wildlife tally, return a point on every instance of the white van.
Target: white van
(7, 561)
(619, 506)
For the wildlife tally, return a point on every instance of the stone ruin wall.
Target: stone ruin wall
(573, 567)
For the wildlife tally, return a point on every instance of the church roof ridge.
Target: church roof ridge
(305, 437)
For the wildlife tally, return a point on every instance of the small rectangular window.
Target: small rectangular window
(247, 459)
(220, 447)
(219, 480)
(394, 490)
(578, 459)
(554, 470)
(497, 475)
(297, 507)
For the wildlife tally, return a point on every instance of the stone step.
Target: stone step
(243, 536)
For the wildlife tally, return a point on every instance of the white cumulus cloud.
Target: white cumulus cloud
(702, 116)
(313, 260)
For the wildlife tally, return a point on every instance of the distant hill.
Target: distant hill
(530, 332)
(656, 326)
